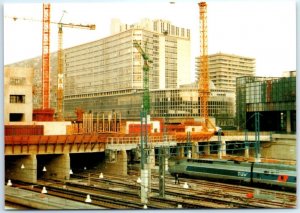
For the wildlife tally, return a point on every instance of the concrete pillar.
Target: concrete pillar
(166, 164)
(122, 160)
(144, 185)
(30, 171)
(137, 155)
(116, 167)
(14, 171)
(194, 150)
(220, 152)
(247, 151)
(58, 167)
(148, 167)
(189, 154)
(288, 121)
(207, 149)
(181, 151)
(152, 158)
(258, 159)
(223, 148)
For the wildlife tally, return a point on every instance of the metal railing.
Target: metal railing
(137, 139)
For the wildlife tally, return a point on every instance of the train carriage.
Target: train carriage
(233, 171)
(274, 175)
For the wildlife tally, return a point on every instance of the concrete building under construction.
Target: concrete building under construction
(273, 98)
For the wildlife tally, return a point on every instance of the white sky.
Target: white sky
(262, 29)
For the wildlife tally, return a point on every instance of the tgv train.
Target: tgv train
(265, 174)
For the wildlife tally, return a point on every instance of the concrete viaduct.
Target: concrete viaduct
(25, 151)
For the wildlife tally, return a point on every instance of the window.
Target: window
(17, 99)
(17, 81)
(14, 117)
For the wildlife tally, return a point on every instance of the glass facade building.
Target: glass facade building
(273, 98)
(177, 104)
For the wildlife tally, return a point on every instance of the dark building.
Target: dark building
(273, 98)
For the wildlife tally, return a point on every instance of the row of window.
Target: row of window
(17, 99)
(17, 81)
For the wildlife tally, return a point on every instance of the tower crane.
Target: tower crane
(60, 67)
(46, 60)
(146, 94)
(46, 57)
(204, 75)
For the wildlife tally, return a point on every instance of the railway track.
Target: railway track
(120, 192)
(258, 197)
(102, 200)
(211, 187)
(201, 190)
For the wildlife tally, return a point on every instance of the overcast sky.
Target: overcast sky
(262, 29)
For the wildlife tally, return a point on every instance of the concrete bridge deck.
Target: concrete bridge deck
(81, 143)
(109, 153)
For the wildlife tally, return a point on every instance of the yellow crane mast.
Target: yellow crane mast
(204, 75)
(60, 67)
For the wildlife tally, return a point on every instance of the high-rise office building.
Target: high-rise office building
(225, 68)
(113, 64)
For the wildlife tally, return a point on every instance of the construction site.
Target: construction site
(107, 124)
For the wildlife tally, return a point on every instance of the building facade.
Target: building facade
(273, 98)
(17, 95)
(225, 68)
(36, 65)
(176, 104)
(114, 64)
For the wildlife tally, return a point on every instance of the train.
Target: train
(277, 176)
